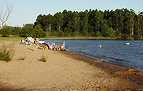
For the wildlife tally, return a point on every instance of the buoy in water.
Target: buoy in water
(127, 43)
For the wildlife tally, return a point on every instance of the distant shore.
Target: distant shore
(63, 71)
(14, 38)
(87, 38)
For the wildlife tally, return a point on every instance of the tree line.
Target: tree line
(120, 23)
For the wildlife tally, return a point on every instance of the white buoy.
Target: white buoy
(127, 43)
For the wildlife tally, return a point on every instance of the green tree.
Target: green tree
(67, 23)
(27, 30)
(75, 24)
(84, 23)
(110, 32)
(98, 34)
(58, 20)
(91, 23)
(48, 23)
(139, 24)
(16, 31)
(104, 30)
(132, 22)
(38, 31)
(5, 31)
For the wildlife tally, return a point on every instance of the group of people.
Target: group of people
(28, 41)
(43, 45)
(54, 47)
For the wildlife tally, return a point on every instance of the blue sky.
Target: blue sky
(26, 11)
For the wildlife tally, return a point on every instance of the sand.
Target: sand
(59, 72)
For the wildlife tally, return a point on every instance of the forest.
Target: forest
(119, 23)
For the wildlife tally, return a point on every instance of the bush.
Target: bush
(110, 32)
(60, 33)
(43, 59)
(126, 37)
(98, 34)
(137, 37)
(5, 31)
(6, 54)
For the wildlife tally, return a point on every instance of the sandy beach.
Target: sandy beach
(62, 72)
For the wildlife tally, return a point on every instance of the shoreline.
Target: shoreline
(112, 69)
(80, 38)
(87, 38)
(71, 65)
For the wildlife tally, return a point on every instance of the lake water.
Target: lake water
(112, 51)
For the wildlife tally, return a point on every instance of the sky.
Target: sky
(26, 11)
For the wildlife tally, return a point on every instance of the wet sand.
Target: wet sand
(63, 71)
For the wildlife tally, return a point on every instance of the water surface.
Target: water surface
(112, 51)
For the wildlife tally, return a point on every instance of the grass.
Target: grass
(6, 54)
(43, 59)
(10, 38)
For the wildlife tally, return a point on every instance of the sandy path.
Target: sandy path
(58, 73)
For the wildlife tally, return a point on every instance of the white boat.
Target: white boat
(30, 39)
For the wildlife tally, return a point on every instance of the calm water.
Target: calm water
(112, 51)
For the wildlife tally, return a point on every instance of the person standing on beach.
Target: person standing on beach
(64, 42)
(36, 42)
(63, 46)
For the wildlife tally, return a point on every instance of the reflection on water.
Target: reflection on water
(126, 53)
